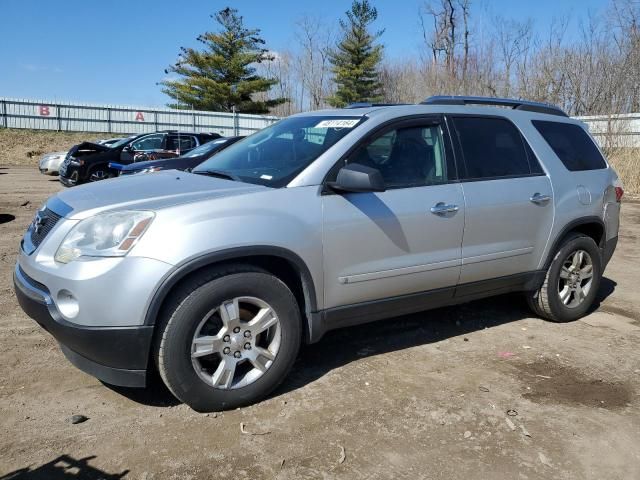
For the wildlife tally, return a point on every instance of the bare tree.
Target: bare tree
(514, 41)
(315, 40)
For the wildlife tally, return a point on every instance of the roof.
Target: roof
(445, 104)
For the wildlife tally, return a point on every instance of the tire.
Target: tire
(99, 173)
(189, 314)
(554, 300)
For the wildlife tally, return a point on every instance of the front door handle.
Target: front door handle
(539, 199)
(442, 208)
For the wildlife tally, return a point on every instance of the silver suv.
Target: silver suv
(322, 220)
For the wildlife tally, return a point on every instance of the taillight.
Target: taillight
(619, 193)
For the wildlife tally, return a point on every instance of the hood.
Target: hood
(148, 192)
(89, 147)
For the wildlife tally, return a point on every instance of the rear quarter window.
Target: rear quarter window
(573, 146)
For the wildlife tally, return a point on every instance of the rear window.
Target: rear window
(493, 148)
(571, 144)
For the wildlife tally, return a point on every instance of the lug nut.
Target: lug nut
(236, 330)
(226, 350)
(247, 346)
(226, 338)
(247, 333)
(237, 354)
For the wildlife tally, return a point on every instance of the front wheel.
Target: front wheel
(228, 338)
(99, 173)
(571, 283)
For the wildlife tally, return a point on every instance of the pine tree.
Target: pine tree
(356, 57)
(223, 74)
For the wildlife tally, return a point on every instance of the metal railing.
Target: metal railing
(119, 119)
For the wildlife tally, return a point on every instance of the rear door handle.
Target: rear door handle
(441, 208)
(539, 199)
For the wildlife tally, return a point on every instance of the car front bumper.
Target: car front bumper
(69, 181)
(116, 355)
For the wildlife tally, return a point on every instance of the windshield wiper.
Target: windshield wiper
(217, 174)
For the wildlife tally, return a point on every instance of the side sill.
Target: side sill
(349, 315)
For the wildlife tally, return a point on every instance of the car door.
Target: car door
(181, 144)
(508, 203)
(405, 240)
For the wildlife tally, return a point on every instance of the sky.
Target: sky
(115, 51)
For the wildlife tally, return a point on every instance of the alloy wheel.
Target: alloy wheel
(236, 343)
(576, 278)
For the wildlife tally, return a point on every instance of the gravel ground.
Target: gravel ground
(479, 391)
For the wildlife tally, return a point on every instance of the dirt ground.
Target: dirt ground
(479, 391)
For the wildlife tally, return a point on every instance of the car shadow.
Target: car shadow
(6, 218)
(341, 347)
(607, 287)
(155, 394)
(64, 467)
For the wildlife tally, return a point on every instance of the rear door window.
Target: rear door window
(493, 148)
(182, 142)
(571, 144)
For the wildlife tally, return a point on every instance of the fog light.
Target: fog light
(67, 304)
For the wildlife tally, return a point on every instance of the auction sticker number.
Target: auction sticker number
(343, 123)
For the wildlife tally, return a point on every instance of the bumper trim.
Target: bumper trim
(117, 355)
(609, 248)
(113, 376)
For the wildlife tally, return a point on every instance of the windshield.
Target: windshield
(275, 155)
(120, 142)
(206, 148)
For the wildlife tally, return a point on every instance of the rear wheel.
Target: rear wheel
(228, 338)
(571, 283)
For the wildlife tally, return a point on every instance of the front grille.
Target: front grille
(64, 165)
(41, 226)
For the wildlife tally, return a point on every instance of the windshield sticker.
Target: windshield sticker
(338, 123)
(266, 177)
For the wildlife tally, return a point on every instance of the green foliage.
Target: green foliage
(356, 58)
(223, 73)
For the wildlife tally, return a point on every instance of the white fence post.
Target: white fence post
(5, 120)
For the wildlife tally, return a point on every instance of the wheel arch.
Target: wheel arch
(282, 263)
(591, 226)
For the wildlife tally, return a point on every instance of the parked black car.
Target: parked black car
(89, 162)
(186, 162)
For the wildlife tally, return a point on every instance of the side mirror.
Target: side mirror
(358, 178)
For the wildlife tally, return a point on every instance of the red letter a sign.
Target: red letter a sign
(139, 117)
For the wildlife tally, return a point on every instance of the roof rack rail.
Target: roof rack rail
(526, 105)
(368, 104)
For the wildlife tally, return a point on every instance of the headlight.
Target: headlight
(110, 234)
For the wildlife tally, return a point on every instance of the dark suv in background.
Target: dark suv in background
(184, 162)
(89, 162)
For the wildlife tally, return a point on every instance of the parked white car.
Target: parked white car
(50, 163)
